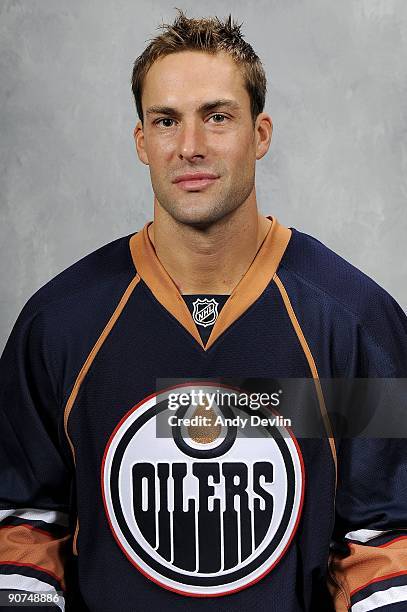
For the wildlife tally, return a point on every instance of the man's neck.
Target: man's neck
(210, 261)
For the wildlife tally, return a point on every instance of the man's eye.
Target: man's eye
(219, 115)
(164, 119)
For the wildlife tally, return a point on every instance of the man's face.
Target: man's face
(181, 138)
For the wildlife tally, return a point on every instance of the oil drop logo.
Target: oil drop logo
(207, 510)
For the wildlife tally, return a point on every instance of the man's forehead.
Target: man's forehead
(188, 81)
(201, 71)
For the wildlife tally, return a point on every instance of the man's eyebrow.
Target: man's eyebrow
(205, 107)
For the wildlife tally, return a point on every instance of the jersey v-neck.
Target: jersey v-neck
(247, 291)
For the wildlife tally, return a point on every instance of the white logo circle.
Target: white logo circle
(201, 519)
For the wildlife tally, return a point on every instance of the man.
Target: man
(211, 289)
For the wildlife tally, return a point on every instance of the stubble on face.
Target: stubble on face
(207, 206)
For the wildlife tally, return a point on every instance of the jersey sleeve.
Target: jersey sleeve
(368, 557)
(35, 481)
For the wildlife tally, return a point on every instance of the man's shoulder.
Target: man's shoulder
(60, 323)
(341, 307)
(101, 270)
(321, 271)
(75, 305)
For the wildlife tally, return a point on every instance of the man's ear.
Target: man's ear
(138, 134)
(263, 133)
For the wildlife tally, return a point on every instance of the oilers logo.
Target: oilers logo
(205, 311)
(202, 512)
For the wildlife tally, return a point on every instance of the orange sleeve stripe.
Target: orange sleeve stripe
(28, 526)
(22, 546)
(367, 564)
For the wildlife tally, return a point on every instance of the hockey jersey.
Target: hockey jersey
(99, 508)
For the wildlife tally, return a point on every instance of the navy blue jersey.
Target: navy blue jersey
(96, 505)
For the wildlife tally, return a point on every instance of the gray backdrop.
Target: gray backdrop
(70, 177)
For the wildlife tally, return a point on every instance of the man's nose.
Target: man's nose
(192, 140)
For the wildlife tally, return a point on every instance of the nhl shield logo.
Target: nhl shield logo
(205, 311)
(201, 515)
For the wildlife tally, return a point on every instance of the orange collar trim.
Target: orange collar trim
(249, 288)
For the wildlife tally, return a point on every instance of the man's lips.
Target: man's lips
(195, 181)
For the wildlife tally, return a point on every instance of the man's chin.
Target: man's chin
(196, 218)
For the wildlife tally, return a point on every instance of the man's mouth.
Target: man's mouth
(191, 181)
(194, 184)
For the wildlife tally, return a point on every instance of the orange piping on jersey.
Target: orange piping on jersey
(313, 368)
(30, 547)
(85, 368)
(248, 289)
(75, 538)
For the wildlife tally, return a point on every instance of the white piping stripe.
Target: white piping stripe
(25, 583)
(381, 598)
(34, 514)
(364, 535)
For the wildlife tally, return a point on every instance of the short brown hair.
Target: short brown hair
(209, 35)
